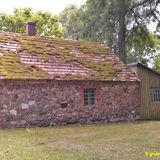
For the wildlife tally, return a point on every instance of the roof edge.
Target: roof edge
(143, 66)
(59, 80)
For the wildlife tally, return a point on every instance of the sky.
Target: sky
(54, 6)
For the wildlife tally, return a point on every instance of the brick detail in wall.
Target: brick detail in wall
(46, 103)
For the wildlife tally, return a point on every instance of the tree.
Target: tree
(156, 59)
(123, 24)
(71, 18)
(47, 24)
(122, 9)
(156, 63)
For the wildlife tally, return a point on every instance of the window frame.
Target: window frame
(89, 96)
(155, 94)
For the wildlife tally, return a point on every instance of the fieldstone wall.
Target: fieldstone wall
(47, 103)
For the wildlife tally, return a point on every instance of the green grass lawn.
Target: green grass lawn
(121, 141)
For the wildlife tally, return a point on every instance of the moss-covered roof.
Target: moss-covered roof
(37, 57)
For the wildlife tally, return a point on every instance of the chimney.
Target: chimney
(31, 29)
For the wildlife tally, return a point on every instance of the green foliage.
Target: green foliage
(157, 64)
(71, 18)
(156, 59)
(47, 23)
(100, 21)
(142, 43)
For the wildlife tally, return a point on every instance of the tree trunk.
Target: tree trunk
(122, 30)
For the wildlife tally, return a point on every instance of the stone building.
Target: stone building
(47, 81)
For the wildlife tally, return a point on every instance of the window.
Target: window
(155, 94)
(89, 96)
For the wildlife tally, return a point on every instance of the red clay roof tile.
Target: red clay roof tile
(36, 57)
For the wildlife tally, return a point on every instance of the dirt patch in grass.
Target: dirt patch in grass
(2, 157)
(64, 144)
(80, 135)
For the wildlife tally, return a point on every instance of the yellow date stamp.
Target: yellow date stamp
(152, 154)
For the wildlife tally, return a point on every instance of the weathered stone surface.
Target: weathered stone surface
(24, 106)
(13, 123)
(22, 123)
(13, 112)
(4, 110)
(5, 106)
(39, 103)
(32, 103)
